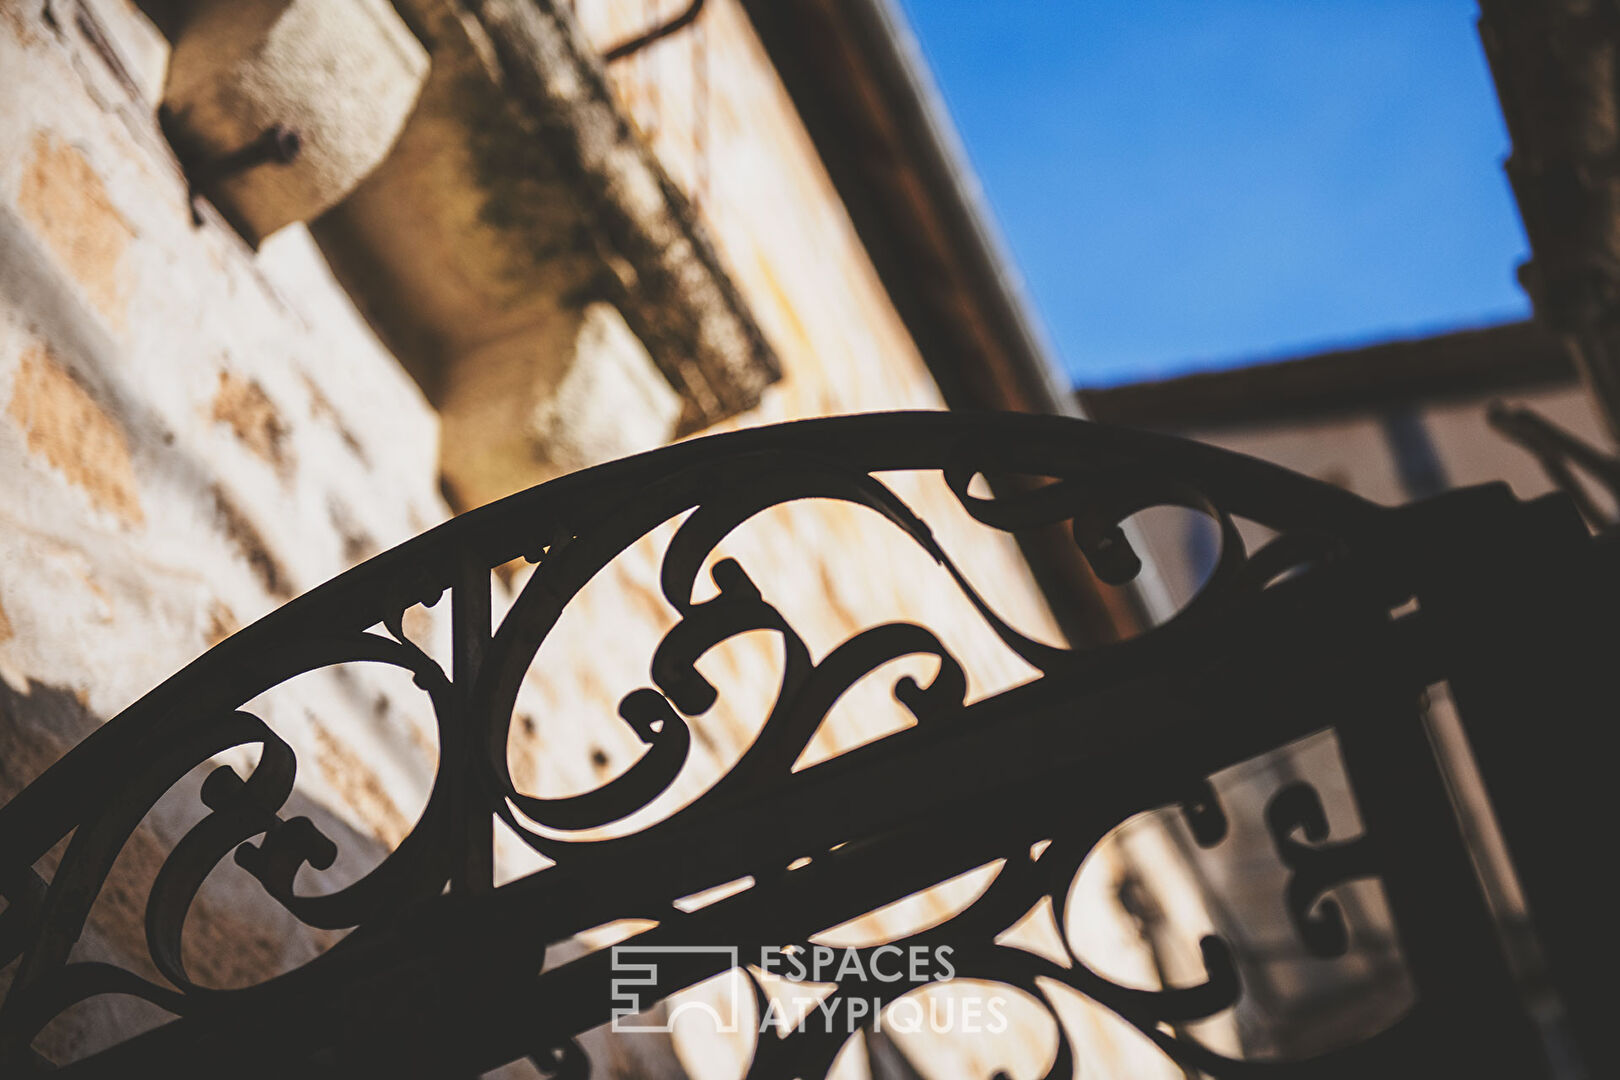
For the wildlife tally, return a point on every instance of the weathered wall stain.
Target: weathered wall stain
(65, 201)
(20, 24)
(74, 433)
(222, 623)
(250, 542)
(321, 408)
(360, 788)
(358, 544)
(243, 406)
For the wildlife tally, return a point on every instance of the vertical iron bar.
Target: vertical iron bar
(1533, 680)
(1442, 920)
(470, 618)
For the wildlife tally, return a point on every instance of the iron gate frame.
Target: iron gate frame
(442, 972)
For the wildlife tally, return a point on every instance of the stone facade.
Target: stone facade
(195, 431)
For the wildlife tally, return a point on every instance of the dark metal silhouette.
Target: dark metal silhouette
(275, 145)
(1564, 457)
(442, 972)
(663, 30)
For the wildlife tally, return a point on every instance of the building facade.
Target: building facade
(285, 283)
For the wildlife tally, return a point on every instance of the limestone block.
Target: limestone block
(613, 404)
(563, 395)
(343, 75)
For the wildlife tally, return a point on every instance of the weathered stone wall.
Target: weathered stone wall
(190, 435)
(193, 433)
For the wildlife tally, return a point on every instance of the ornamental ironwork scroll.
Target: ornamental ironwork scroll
(443, 973)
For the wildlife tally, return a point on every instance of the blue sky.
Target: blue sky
(1190, 183)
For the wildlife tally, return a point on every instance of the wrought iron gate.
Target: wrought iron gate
(1340, 622)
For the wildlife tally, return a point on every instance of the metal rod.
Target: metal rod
(663, 30)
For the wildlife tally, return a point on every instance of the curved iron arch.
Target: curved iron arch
(1104, 732)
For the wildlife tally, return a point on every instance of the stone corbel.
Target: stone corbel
(278, 108)
(531, 263)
